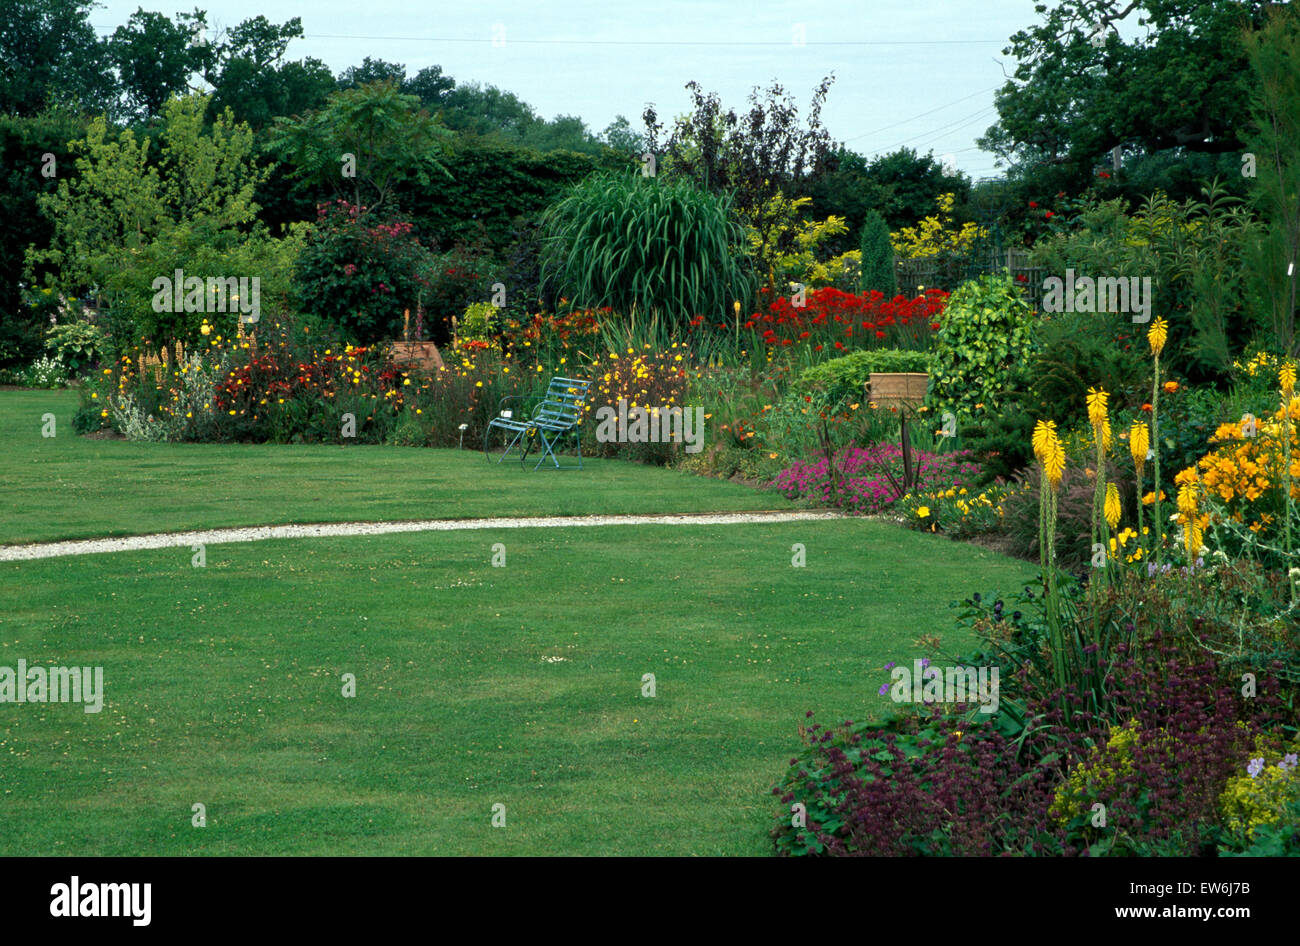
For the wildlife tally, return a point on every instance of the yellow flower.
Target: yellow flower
(1042, 430)
(922, 512)
(1112, 505)
(1156, 335)
(1050, 452)
(1097, 407)
(1287, 376)
(1139, 441)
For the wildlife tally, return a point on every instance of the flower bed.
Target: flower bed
(869, 479)
(832, 319)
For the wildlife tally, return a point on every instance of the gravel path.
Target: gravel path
(162, 540)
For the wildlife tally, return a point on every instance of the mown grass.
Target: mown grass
(519, 685)
(69, 487)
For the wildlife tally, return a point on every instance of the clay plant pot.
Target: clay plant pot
(424, 355)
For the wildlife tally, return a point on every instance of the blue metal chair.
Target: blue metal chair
(555, 415)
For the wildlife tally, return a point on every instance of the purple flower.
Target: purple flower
(884, 689)
(889, 666)
(1288, 762)
(1256, 766)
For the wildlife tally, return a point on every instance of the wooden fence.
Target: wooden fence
(948, 273)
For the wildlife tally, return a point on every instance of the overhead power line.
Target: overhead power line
(511, 41)
(654, 42)
(923, 114)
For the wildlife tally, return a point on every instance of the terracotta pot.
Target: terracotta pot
(423, 354)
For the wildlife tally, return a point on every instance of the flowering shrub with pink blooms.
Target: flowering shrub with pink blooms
(867, 480)
(360, 273)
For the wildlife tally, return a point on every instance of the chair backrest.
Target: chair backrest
(563, 403)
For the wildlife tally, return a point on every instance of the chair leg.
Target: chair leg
(510, 446)
(548, 451)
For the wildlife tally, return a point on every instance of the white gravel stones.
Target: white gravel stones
(15, 553)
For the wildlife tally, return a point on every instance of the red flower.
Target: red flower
(1033, 204)
(1048, 215)
(880, 334)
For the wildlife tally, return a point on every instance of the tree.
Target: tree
(128, 217)
(753, 158)
(485, 110)
(49, 55)
(619, 135)
(430, 86)
(1080, 90)
(24, 142)
(249, 76)
(155, 57)
(1274, 143)
(372, 70)
(364, 140)
(562, 133)
(878, 273)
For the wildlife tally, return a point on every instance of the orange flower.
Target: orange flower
(1171, 387)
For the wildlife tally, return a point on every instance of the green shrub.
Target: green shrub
(361, 273)
(1191, 251)
(987, 329)
(78, 345)
(1076, 356)
(878, 272)
(479, 322)
(1002, 441)
(46, 373)
(844, 379)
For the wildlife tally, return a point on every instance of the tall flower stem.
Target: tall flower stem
(1157, 526)
(1288, 378)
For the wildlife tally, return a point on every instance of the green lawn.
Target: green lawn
(223, 686)
(68, 487)
(476, 685)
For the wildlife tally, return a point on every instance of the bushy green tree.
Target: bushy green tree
(986, 332)
(251, 77)
(50, 56)
(878, 272)
(363, 143)
(25, 174)
(1081, 88)
(361, 274)
(1274, 143)
(130, 215)
(155, 57)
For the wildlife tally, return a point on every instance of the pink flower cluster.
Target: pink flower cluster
(868, 477)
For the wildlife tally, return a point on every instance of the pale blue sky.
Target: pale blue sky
(919, 73)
